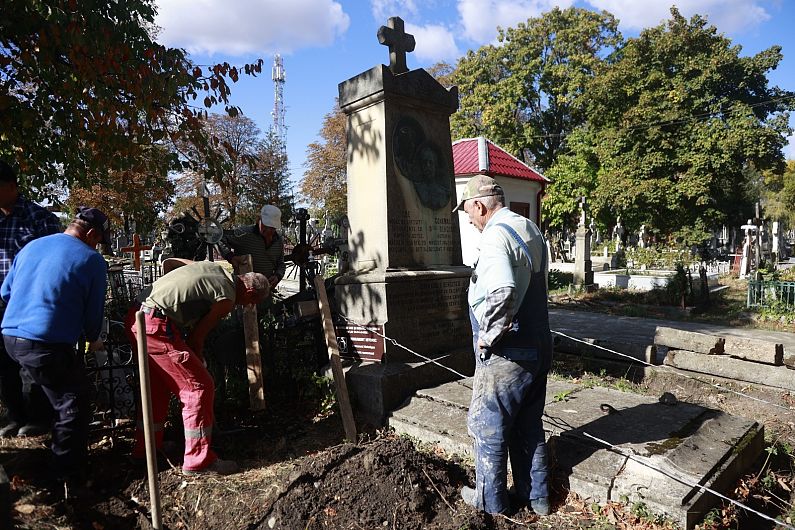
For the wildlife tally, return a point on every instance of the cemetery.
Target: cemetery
(344, 396)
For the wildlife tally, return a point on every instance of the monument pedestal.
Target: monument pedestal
(423, 311)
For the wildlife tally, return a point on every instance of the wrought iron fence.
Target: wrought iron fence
(771, 294)
(113, 373)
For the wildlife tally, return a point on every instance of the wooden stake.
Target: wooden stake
(256, 389)
(334, 358)
(146, 412)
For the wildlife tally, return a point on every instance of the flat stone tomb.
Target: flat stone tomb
(673, 446)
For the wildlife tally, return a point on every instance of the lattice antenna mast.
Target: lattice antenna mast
(279, 76)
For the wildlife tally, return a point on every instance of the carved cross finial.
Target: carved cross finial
(394, 35)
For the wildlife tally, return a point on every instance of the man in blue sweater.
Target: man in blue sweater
(55, 292)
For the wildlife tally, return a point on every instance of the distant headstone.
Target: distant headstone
(618, 233)
(750, 257)
(642, 236)
(583, 272)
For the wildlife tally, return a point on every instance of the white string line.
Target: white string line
(396, 343)
(633, 359)
(687, 482)
(666, 368)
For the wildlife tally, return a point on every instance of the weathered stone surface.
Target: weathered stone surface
(693, 444)
(379, 388)
(759, 351)
(723, 366)
(425, 311)
(598, 348)
(687, 340)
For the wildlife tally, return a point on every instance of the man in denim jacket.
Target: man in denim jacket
(513, 353)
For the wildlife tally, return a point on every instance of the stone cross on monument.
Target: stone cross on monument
(394, 35)
(136, 250)
(583, 206)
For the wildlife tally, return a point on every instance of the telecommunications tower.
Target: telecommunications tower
(278, 76)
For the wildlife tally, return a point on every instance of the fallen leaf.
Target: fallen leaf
(97, 526)
(25, 508)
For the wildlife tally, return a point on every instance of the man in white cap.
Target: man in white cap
(263, 242)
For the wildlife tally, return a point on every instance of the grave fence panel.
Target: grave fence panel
(771, 294)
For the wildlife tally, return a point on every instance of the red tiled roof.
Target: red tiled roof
(466, 161)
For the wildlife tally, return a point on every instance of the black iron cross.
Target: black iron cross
(394, 35)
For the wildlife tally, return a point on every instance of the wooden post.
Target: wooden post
(149, 435)
(256, 389)
(334, 359)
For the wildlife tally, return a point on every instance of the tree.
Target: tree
(269, 182)
(86, 91)
(325, 181)
(239, 142)
(257, 173)
(132, 195)
(676, 122)
(443, 73)
(528, 93)
(778, 195)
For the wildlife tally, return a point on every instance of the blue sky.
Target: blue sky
(324, 42)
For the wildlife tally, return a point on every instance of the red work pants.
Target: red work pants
(175, 369)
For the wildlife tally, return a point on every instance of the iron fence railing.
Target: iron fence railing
(771, 294)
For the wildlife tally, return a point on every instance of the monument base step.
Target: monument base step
(378, 388)
(672, 445)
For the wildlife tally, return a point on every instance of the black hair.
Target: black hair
(7, 173)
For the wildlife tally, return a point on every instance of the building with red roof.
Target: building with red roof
(523, 185)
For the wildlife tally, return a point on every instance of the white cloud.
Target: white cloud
(789, 149)
(729, 16)
(434, 43)
(383, 9)
(480, 18)
(250, 26)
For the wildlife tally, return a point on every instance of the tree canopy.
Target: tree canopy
(257, 172)
(87, 90)
(529, 92)
(674, 123)
(325, 181)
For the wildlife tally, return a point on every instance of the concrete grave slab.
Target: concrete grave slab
(672, 446)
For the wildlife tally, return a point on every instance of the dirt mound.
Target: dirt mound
(385, 484)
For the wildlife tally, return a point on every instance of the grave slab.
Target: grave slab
(672, 446)
(724, 366)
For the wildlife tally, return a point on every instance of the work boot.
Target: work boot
(540, 505)
(33, 429)
(9, 430)
(219, 467)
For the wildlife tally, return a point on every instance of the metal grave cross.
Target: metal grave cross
(136, 250)
(394, 35)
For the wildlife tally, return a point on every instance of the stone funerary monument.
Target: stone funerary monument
(407, 280)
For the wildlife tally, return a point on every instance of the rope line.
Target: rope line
(687, 482)
(396, 343)
(633, 359)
